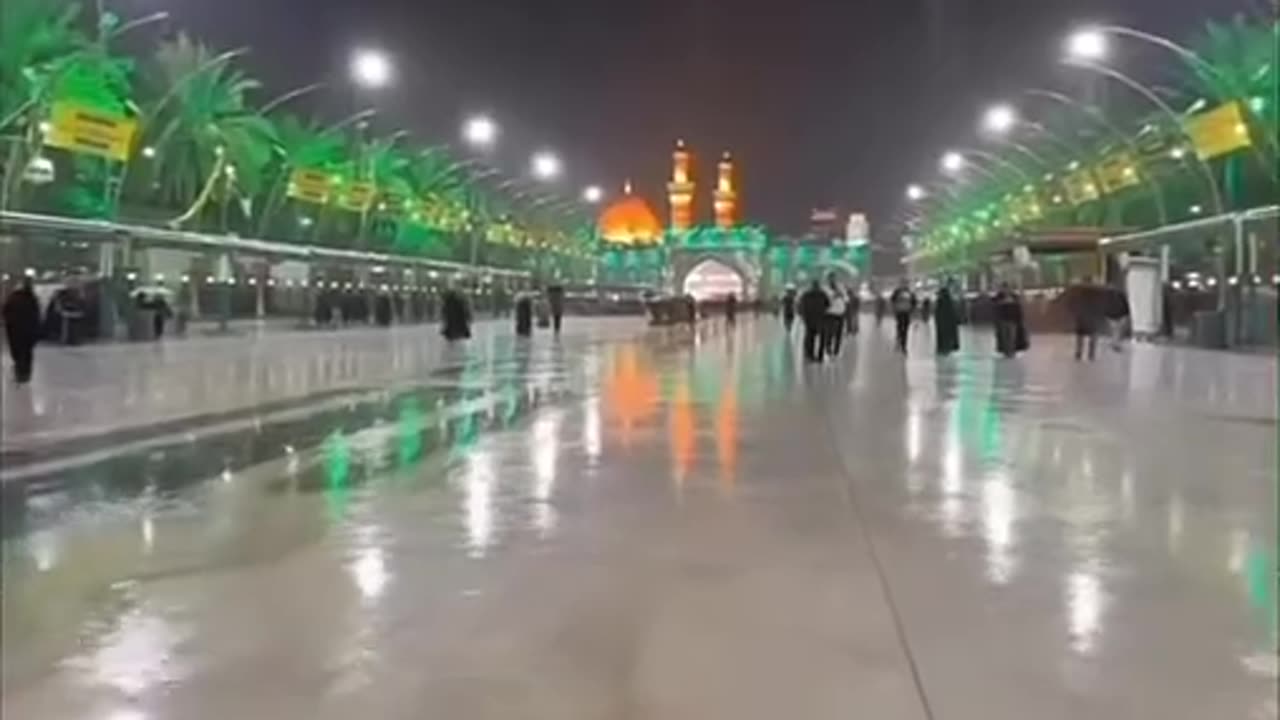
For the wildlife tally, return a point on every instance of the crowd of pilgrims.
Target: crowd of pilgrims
(71, 313)
(828, 311)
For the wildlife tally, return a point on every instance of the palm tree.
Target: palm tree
(36, 38)
(440, 185)
(301, 145)
(205, 137)
(1238, 62)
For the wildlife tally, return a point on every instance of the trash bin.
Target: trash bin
(1209, 329)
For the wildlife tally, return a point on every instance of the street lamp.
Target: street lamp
(480, 132)
(952, 163)
(371, 68)
(546, 165)
(916, 193)
(1000, 119)
(1171, 115)
(1087, 44)
(593, 194)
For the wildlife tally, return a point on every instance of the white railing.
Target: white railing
(102, 231)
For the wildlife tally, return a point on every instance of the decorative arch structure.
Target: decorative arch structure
(686, 264)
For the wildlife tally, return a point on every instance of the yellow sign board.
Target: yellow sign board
(1218, 131)
(1117, 172)
(86, 130)
(358, 196)
(1081, 187)
(313, 186)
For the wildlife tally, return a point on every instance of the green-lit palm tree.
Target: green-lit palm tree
(301, 145)
(206, 139)
(1238, 62)
(38, 39)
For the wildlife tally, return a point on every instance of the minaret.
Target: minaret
(726, 198)
(680, 190)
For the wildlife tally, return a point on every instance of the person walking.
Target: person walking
(903, 302)
(926, 310)
(383, 311)
(731, 309)
(946, 322)
(455, 316)
(813, 313)
(162, 314)
(555, 298)
(524, 314)
(837, 306)
(1084, 301)
(1116, 311)
(1011, 332)
(21, 314)
(851, 313)
(789, 308)
(882, 308)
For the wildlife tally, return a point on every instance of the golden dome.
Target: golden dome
(630, 221)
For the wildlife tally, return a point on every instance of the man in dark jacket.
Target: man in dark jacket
(1084, 299)
(813, 312)
(1116, 311)
(1011, 330)
(22, 329)
(555, 298)
(903, 302)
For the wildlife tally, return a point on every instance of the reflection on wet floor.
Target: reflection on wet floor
(77, 540)
(523, 497)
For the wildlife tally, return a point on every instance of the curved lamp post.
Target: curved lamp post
(1195, 61)
(1002, 120)
(1096, 115)
(1172, 115)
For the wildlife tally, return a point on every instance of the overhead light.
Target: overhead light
(546, 165)
(952, 162)
(1087, 44)
(480, 131)
(371, 68)
(1000, 119)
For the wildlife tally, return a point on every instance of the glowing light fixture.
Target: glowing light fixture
(1087, 44)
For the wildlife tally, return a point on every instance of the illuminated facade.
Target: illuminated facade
(680, 189)
(726, 197)
(709, 259)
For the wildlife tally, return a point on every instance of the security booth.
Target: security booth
(1217, 276)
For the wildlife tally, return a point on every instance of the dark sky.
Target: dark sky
(823, 101)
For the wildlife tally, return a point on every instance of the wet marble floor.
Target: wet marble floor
(634, 523)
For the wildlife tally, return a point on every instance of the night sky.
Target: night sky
(837, 102)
